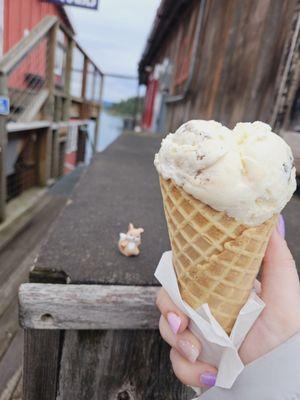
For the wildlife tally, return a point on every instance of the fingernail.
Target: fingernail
(189, 351)
(208, 379)
(174, 322)
(281, 226)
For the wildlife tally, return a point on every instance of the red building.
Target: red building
(54, 89)
(19, 17)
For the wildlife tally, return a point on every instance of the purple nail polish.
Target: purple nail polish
(174, 322)
(281, 226)
(208, 379)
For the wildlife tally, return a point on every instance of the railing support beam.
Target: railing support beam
(68, 77)
(97, 125)
(45, 140)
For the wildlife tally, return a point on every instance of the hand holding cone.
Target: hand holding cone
(215, 257)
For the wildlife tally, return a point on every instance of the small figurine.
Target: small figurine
(129, 242)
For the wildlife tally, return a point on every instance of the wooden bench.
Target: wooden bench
(88, 312)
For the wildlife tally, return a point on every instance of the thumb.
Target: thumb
(279, 278)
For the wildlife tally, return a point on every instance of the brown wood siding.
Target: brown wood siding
(238, 62)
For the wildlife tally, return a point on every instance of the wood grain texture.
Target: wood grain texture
(46, 306)
(10, 364)
(117, 365)
(8, 326)
(236, 81)
(41, 364)
(17, 395)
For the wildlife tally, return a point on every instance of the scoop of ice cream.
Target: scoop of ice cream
(247, 172)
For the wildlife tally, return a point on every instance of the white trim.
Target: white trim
(77, 122)
(26, 126)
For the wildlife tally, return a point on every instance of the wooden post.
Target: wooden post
(84, 76)
(97, 125)
(81, 143)
(52, 44)
(3, 144)
(45, 139)
(68, 77)
(83, 87)
(94, 84)
(55, 154)
(41, 364)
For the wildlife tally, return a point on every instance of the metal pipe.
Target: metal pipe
(121, 76)
(182, 96)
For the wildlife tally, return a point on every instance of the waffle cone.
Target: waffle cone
(216, 259)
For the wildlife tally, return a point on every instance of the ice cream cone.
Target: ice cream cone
(216, 258)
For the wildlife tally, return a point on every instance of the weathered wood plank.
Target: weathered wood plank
(237, 81)
(18, 256)
(84, 241)
(34, 106)
(9, 288)
(117, 365)
(41, 364)
(47, 306)
(17, 395)
(10, 363)
(8, 326)
(12, 385)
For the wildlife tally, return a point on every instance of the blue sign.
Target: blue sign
(91, 4)
(4, 105)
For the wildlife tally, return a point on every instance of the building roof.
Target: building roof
(167, 15)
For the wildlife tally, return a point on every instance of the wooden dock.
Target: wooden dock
(16, 259)
(110, 347)
(80, 251)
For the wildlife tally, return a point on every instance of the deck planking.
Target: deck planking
(120, 186)
(16, 259)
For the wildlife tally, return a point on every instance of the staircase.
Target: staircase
(52, 84)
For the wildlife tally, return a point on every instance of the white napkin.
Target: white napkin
(218, 348)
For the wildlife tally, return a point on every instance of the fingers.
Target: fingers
(196, 374)
(278, 270)
(185, 347)
(178, 321)
(185, 342)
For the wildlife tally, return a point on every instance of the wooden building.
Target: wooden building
(19, 17)
(54, 89)
(224, 60)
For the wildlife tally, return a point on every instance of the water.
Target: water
(111, 127)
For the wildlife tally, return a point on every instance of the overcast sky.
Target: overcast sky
(115, 36)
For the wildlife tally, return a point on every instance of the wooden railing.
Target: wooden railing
(47, 76)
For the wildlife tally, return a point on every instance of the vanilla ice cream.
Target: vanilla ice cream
(247, 172)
